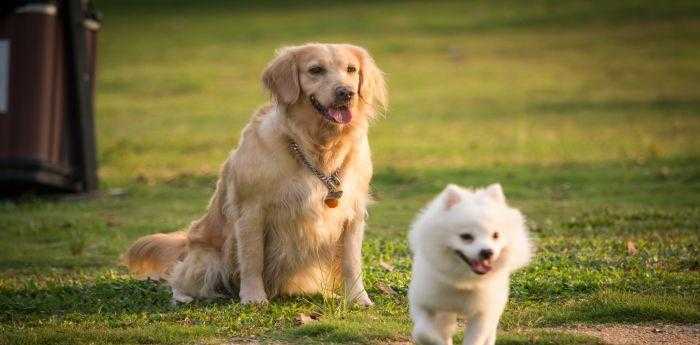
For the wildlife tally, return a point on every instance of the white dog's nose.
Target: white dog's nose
(485, 254)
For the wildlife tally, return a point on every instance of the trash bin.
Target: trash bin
(46, 97)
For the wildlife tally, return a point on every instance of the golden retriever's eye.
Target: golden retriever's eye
(467, 237)
(495, 235)
(317, 70)
(352, 69)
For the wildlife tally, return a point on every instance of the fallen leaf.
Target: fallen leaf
(303, 319)
(631, 248)
(387, 266)
(386, 289)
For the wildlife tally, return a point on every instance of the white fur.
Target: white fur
(443, 286)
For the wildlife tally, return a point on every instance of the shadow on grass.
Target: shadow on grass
(339, 332)
(102, 296)
(35, 265)
(611, 180)
(327, 332)
(537, 14)
(156, 333)
(603, 307)
(616, 307)
(621, 106)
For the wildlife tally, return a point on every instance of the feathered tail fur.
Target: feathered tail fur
(154, 256)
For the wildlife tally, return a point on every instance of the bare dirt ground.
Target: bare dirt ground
(640, 334)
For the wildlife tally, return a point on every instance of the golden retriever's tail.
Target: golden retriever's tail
(154, 256)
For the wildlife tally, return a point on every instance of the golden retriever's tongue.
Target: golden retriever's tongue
(340, 115)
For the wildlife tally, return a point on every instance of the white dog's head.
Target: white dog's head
(474, 230)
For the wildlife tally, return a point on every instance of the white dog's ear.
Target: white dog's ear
(372, 89)
(452, 195)
(495, 193)
(281, 77)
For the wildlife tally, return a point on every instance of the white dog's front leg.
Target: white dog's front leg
(251, 255)
(446, 323)
(428, 329)
(352, 263)
(491, 340)
(481, 330)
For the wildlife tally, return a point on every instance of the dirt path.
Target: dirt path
(640, 335)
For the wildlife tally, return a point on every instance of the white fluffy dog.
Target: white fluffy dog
(465, 245)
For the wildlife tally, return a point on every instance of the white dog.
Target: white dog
(465, 245)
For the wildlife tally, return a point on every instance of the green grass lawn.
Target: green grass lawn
(588, 113)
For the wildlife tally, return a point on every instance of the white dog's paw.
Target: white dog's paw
(361, 299)
(425, 338)
(181, 297)
(254, 297)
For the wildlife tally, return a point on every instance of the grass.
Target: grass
(586, 112)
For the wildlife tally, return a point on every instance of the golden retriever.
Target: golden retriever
(269, 228)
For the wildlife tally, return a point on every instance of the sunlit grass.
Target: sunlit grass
(587, 113)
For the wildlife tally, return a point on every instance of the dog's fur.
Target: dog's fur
(267, 231)
(465, 246)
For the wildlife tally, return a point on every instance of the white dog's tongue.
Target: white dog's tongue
(480, 266)
(340, 115)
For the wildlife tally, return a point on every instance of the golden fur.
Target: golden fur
(267, 231)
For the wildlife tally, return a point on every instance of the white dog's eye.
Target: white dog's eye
(495, 235)
(317, 70)
(467, 237)
(352, 69)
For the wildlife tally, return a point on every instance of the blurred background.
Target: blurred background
(473, 84)
(588, 113)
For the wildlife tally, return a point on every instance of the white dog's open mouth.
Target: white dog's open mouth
(336, 113)
(478, 266)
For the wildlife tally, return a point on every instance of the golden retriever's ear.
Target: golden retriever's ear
(281, 77)
(372, 89)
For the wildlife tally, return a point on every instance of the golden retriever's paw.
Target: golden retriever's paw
(180, 297)
(253, 298)
(254, 302)
(362, 300)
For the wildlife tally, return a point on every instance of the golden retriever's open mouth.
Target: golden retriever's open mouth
(478, 266)
(338, 113)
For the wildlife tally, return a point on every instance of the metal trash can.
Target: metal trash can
(47, 74)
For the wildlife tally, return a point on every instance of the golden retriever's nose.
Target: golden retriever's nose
(343, 94)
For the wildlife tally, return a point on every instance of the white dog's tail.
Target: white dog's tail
(154, 256)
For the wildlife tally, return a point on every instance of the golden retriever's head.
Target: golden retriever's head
(334, 83)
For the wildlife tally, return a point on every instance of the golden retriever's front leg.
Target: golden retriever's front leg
(352, 263)
(250, 244)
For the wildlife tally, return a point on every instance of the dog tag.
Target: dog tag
(332, 198)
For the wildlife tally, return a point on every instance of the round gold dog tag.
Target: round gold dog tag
(333, 198)
(332, 203)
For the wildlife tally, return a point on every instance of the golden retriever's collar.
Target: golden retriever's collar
(332, 181)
